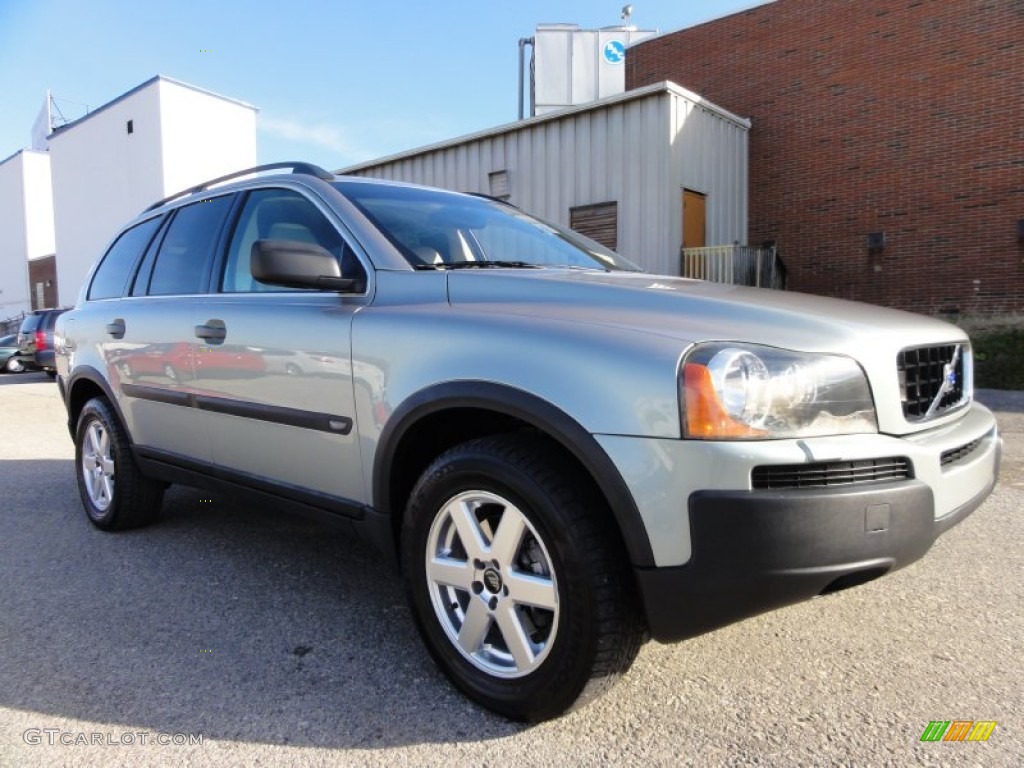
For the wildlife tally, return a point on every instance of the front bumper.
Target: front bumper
(725, 550)
(760, 550)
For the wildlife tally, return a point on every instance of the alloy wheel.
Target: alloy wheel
(98, 466)
(492, 584)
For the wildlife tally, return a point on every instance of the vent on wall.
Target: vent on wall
(499, 184)
(599, 222)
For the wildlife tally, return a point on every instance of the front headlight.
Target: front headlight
(747, 392)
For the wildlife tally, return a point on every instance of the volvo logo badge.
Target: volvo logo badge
(492, 580)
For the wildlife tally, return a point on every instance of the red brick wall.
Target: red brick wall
(897, 116)
(43, 270)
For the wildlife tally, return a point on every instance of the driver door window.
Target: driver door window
(281, 214)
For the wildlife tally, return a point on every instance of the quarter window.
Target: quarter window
(188, 246)
(116, 267)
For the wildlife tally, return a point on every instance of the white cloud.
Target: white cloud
(319, 135)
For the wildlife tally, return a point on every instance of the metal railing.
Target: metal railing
(735, 264)
(11, 324)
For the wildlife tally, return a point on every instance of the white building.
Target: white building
(26, 225)
(620, 170)
(157, 139)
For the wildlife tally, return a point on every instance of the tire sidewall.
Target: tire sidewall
(96, 411)
(555, 684)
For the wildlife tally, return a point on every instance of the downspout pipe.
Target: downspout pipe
(523, 42)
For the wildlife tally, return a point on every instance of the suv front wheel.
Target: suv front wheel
(114, 492)
(516, 579)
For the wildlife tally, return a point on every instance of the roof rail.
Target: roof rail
(296, 167)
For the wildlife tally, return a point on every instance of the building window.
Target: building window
(599, 222)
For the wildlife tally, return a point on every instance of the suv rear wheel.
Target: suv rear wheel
(114, 492)
(517, 582)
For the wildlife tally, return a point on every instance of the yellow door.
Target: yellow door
(694, 205)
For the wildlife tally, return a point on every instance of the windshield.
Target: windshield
(435, 229)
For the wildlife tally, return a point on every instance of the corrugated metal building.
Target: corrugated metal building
(618, 169)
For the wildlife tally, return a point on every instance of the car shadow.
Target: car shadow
(26, 377)
(225, 620)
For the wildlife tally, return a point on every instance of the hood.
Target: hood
(694, 310)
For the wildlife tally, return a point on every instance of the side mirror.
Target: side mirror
(295, 264)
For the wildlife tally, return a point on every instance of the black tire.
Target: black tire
(593, 632)
(51, 374)
(13, 365)
(130, 499)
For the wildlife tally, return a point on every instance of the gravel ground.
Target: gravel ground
(279, 644)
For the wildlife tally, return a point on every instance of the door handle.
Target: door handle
(116, 328)
(213, 331)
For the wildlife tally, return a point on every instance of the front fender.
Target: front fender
(527, 408)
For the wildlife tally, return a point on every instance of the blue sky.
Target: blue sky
(336, 82)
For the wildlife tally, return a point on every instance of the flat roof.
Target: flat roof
(666, 86)
(141, 86)
(20, 151)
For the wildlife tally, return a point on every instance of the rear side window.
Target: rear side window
(188, 246)
(30, 322)
(117, 264)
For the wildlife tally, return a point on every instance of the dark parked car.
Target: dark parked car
(35, 340)
(9, 362)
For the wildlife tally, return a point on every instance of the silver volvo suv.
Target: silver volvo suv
(563, 455)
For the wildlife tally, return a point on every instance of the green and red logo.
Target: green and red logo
(958, 730)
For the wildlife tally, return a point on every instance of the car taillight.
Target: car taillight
(40, 340)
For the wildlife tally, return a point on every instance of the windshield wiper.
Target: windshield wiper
(485, 264)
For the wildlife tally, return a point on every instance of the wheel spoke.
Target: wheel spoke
(106, 465)
(106, 488)
(475, 626)
(508, 537)
(455, 573)
(464, 517)
(511, 627)
(90, 439)
(527, 589)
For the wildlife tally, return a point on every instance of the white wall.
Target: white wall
(103, 176)
(639, 149)
(710, 155)
(26, 225)
(39, 233)
(203, 136)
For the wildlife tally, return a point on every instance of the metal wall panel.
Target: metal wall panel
(639, 152)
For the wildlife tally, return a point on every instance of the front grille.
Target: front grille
(827, 474)
(931, 379)
(954, 455)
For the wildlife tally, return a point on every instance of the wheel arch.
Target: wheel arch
(440, 416)
(84, 384)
